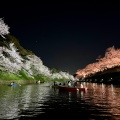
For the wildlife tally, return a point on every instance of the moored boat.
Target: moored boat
(12, 84)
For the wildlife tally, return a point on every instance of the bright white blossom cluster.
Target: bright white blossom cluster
(11, 61)
(110, 60)
(4, 29)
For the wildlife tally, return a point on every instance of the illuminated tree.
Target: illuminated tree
(4, 29)
(110, 60)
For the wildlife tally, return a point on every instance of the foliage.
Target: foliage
(8, 76)
(24, 76)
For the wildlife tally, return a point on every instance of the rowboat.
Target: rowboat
(14, 84)
(66, 88)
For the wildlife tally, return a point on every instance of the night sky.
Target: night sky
(65, 36)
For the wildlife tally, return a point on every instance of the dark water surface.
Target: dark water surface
(38, 101)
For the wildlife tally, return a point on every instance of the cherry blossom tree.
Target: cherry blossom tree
(7, 63)
(4, 29)
(12, 61)
(110, 60)
(13, 54)
(34, 66)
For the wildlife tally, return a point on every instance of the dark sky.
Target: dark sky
(67, 36)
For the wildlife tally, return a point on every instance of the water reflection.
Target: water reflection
(105, 98)
(100, 101)
(15, 101)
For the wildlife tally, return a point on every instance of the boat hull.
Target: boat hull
(65, 88)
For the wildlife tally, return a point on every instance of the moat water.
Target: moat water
(37, 101)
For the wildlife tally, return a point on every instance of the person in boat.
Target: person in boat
(55, 83)
(14, 84)
(38, 81)
(77, 83)
(11, 83)
(69, 84)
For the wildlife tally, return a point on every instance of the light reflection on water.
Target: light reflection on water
(100, 101)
